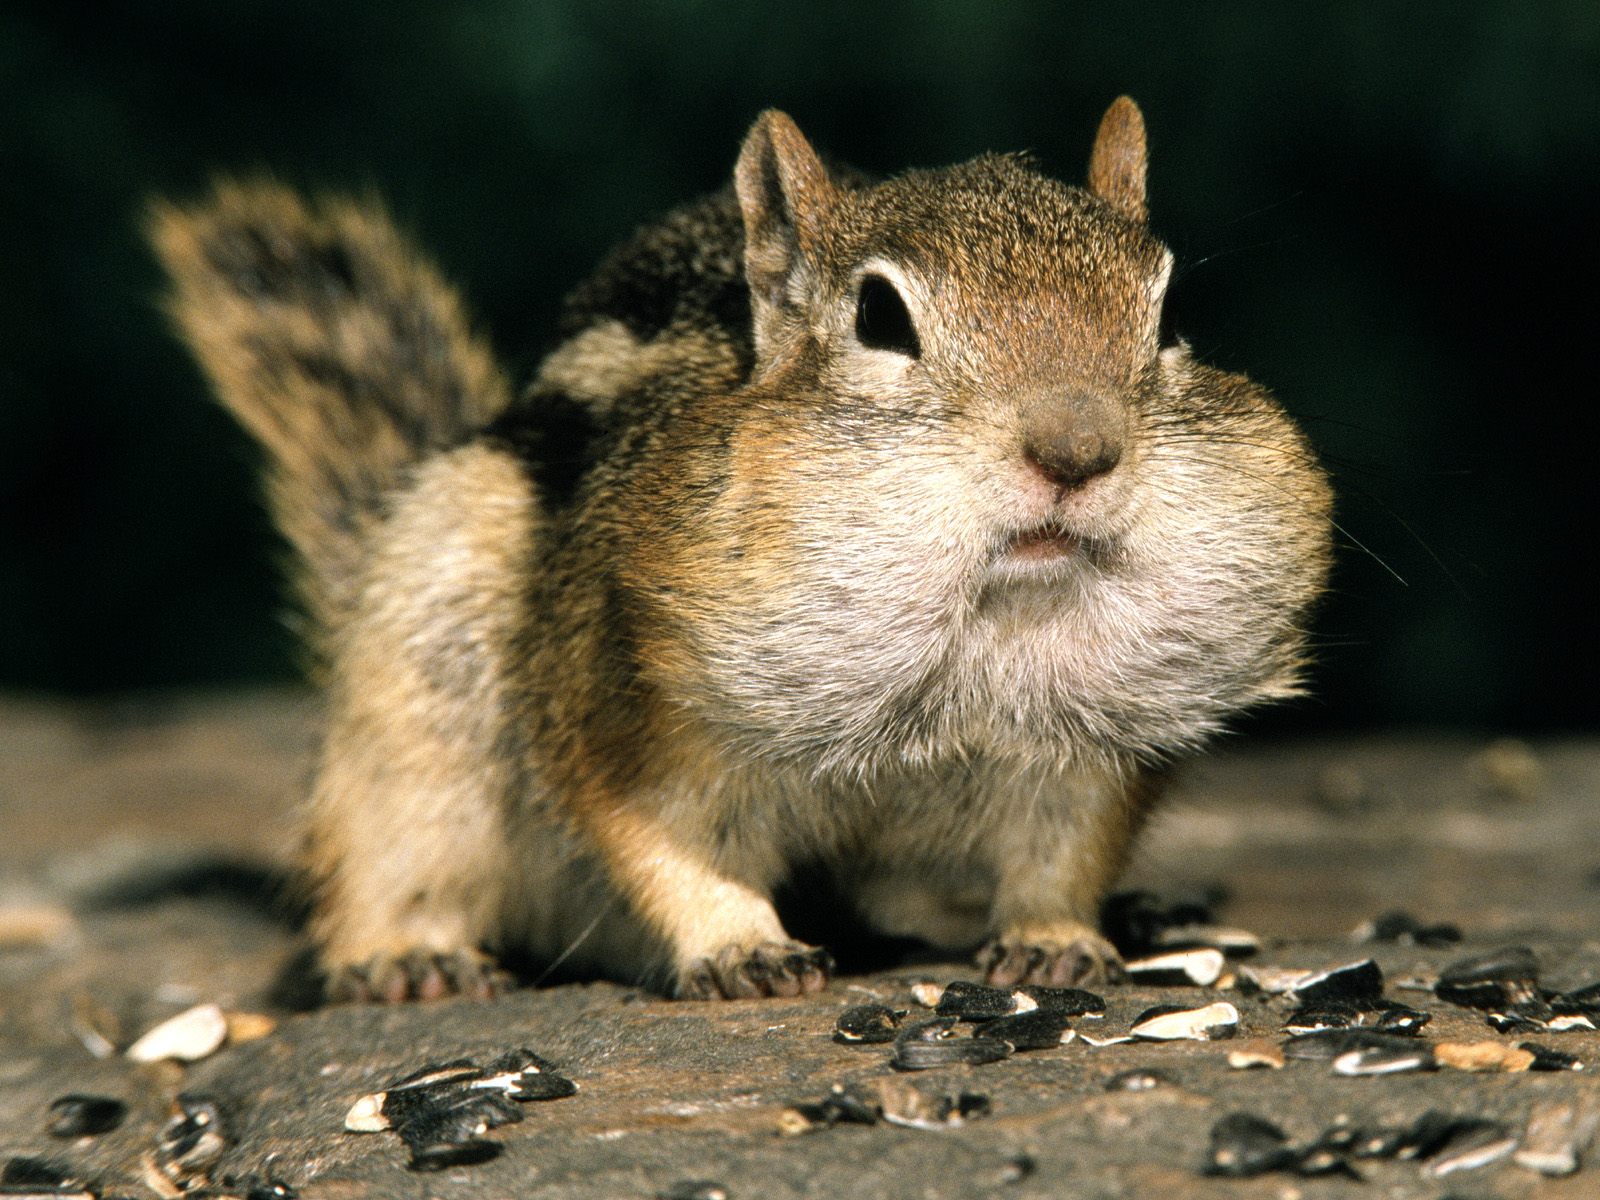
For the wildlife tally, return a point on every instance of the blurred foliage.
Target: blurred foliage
(1381, 211)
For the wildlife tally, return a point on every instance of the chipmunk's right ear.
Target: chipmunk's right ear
(1119, 160)
(785, 195)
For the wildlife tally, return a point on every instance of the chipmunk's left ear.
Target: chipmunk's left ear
(1118, 162)
(786, 198)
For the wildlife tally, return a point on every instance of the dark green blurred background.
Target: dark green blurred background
(1385, 212)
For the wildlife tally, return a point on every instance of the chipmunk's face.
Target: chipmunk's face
(975, 506)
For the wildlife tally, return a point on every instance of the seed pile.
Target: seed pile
(443, 1111)
(1245, 1145)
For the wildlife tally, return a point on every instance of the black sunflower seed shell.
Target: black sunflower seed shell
(1411, 1054)
(543, 1086)
(868, 1024)
(1310, 1018)
(1332, 1043)
(1399, 1019)
(1583, 1001)
(1497, 979)
(84, 1116)
(1358, 983)
(975, 1001)
(1472, 1147)
(921, 1056)
(1036, 1030)
(1430, 1132)
(452, 1154)
(1244, 1145)
(459, 1116)
(27, 1170)
(1546, 1058)
(1318, 1160)
(1068, 1001)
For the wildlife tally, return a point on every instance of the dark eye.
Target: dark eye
(882, 322)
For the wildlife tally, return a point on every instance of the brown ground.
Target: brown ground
(136, 839)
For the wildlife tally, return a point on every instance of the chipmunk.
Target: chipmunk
(868, 524)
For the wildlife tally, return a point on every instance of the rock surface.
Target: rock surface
(141, 842)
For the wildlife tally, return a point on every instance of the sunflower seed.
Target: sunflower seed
(1313, 1018)
(903, 1103)
(456, 1116)
(1243, 1146)
(1405, 930)
(839, 1107)
(1355, 983)
(26, 1170)
(1214, 1021)
(867, 1024)
(1037, 1030)
(1400, 1019)
(1331, 1043)
(189, 1036)
(1472, 1148)
(1547, 1059)
(452, 1154)
(1584, 1001)
(191, 1142)
(1200, 968)
(1385, 1060)
(1496, 980)
(84, 1116)
(1429, 1133)
(544, 1086)
(974, 1001)
(917, 1055)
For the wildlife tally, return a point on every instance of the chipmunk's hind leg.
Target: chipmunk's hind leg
(410, 840)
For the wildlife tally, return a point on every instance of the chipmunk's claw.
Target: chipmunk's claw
(769, 969)
(417, 975)
(1084, 959)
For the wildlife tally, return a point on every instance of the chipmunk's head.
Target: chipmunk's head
(986, 285)
(974, 503)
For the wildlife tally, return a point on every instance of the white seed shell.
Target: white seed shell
(1197, 1024)
(366, 1114)
(189, 1036)
(1203, 967)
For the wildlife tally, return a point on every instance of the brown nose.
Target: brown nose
(1072, 438)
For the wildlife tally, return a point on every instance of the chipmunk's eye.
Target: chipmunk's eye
(882, 320)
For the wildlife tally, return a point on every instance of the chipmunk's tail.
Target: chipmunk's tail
(337, 347)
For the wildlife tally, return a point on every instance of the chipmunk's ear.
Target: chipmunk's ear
(785, 195)
(1118, 161)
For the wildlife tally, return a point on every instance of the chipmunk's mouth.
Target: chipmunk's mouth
(1041, 544)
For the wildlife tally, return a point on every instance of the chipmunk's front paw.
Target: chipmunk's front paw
(418, 975)
(768, 969)
(1066, 957)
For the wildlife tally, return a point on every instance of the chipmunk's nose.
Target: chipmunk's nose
(1070, 439)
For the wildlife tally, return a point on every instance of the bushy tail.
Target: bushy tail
(336, 346)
